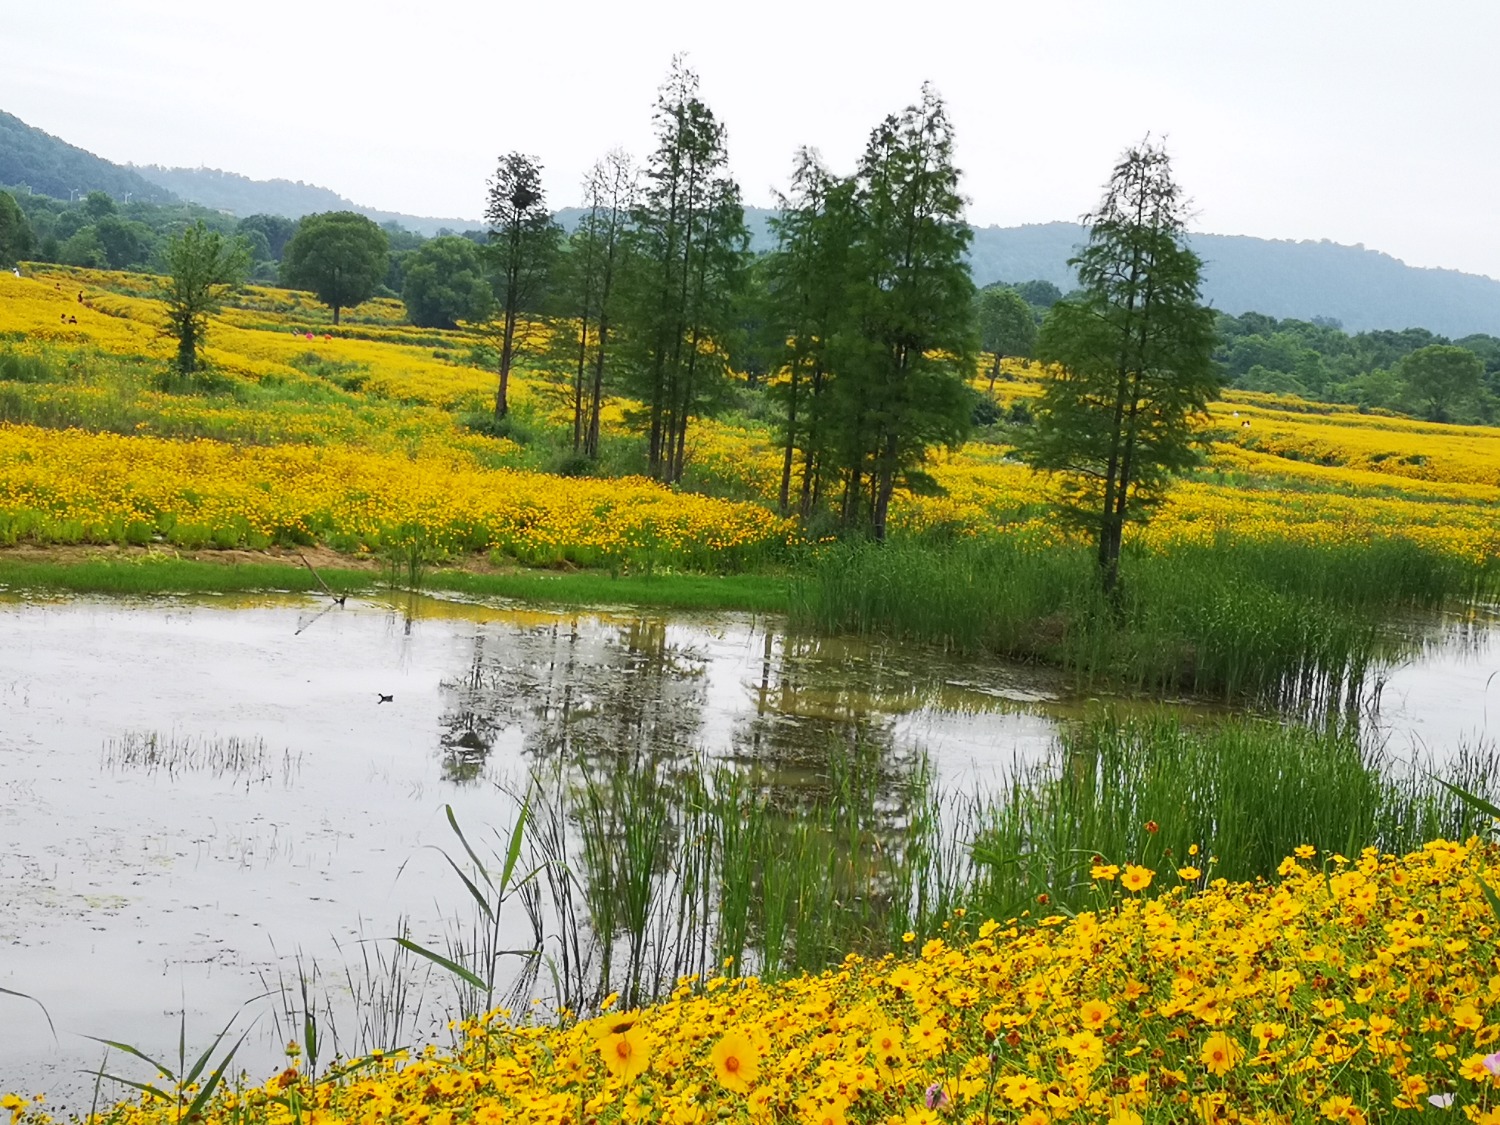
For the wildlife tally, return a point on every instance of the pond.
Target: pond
(194, 793)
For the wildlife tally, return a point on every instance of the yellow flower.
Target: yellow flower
(1136, 878)
(1189, 874)
(1095, 1013)
(625, 1052)
(1221, 1053)
(736, 1064)
(1103, 871)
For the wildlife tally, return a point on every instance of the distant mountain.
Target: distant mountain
(240, 195)
(32, 159)
(1362, 289)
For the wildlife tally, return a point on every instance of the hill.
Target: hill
(48, 165)
(240, 195)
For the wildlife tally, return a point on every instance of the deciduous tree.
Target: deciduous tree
(1131, 358)
(1007, 326)
(16, 240)
(445, 283)
(689, 247)
(202, 265)
(912, 300)
(340, 256)
(1442, 378)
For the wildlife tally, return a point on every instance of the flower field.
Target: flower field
(381, 400)
(1350, 991)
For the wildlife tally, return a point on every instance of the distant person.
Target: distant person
(72, 320)
(16, 270)
(80, 296)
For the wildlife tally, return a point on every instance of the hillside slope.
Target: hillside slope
(229, 191)
(48, 165)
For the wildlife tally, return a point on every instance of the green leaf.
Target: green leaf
(474, 891)
(192, 1075)
(453, 967)
(1490, 897)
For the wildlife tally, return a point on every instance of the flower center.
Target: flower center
(731, 1064)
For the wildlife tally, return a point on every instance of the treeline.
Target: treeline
(1413, 371)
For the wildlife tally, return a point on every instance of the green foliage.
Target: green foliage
(1443, 378)
(1133, 359)
(339, 256)
(1278, 622)
(275, 230)
(872, 294)
(1319, 361)
(445, 283)
(16, 238)
(202, 266)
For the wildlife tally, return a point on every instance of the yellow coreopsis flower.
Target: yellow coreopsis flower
(735, 1062)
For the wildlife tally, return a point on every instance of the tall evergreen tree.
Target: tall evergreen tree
(688, 244)
(807, 278)
(523, 243)
(912, 300)
(1132, 356)
(595, 253)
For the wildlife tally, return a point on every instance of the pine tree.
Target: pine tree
(688, 248)
(912, 300)
(523, 244)
(1132, 358)
(807, 277)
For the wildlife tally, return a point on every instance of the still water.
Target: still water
(195, 791)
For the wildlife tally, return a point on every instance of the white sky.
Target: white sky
(1359, 121)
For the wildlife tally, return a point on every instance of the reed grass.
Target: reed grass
(1277, 622)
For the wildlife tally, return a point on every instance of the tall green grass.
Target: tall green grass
(1279, 622)
(659, 867)
(1243, 793)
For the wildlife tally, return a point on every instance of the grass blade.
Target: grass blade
(438, 959)
(513, 849)
(144, 1087)
(38, 1003)
(129, 1050)
(213, 1081)
(1473, 800)
(464, 840)
(474, 890)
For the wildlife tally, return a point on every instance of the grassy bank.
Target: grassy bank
(145, 574)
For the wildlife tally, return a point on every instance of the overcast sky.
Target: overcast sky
(1359, 121)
